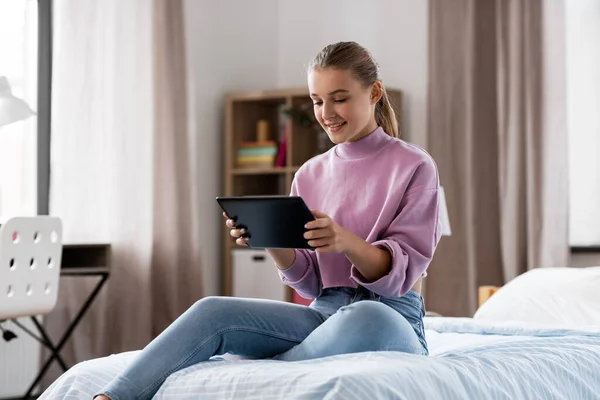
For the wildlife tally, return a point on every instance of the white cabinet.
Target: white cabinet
(255, 275)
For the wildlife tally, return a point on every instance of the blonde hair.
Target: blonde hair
(353, 57)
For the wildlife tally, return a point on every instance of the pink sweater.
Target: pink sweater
(385, 191)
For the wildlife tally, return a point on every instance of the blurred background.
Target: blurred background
(142, 112)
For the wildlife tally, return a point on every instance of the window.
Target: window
(18, 141)
(583, 120)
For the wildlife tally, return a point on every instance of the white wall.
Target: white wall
(245, 45)
(232, 46)
(583, 101)
(583, 58)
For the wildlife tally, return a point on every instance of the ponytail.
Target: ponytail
(358, 60)
(385, 115)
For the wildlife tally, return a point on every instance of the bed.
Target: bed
(546, 348)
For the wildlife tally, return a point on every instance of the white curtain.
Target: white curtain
(120, 168)
(101, 162)
(18, 141)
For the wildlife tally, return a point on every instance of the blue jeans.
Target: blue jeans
(342, 320)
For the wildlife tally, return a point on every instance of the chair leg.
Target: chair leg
(50, 345)
(56, 350)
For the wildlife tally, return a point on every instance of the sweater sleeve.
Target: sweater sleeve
(303, 275)
(411, 239)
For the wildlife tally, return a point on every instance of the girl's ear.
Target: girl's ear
(376, 92)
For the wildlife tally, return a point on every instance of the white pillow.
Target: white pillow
(559, 297)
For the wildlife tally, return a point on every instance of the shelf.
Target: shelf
(266, 95)
(264, 171)
(259, 171)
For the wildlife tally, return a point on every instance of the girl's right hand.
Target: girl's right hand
(235, 232)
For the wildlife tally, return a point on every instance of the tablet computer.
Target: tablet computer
(270, 221)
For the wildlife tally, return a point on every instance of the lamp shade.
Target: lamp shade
(443, 214)
(12, 109)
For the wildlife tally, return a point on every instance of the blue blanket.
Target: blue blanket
(502, 362)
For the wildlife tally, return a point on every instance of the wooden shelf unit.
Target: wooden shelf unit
(242, 112)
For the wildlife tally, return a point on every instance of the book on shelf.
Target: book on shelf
(282, 130)
(256, 154)
(280, 162)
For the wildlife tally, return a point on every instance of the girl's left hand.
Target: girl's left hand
(325, 235)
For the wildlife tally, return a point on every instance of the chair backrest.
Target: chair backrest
(30, 259)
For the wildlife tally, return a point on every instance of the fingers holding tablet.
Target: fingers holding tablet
(238, 232)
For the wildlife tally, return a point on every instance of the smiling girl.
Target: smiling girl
(375, 200)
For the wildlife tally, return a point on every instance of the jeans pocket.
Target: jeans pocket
(408, 305)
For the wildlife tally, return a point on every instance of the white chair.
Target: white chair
(30, 260)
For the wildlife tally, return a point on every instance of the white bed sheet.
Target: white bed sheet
(469, 359)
